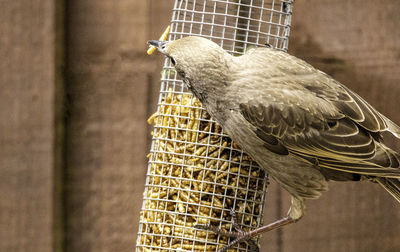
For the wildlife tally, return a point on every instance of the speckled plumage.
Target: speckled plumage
(302, 126)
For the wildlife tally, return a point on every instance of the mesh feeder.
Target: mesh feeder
(196, 174)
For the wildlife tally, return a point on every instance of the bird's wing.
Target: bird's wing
(330, 127)
(303, 75)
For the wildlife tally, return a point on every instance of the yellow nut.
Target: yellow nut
(188, 177)
(162, 38)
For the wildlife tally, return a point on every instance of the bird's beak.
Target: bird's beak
(160, 45)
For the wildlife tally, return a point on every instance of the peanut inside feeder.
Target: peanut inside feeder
(196, 176)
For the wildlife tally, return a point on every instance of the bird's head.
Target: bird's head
(195, 59)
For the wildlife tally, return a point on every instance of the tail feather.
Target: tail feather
(392, 185)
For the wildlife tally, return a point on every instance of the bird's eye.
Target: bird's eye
(332, 124)
(172, 60)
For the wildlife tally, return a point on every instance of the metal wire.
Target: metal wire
(187, 145)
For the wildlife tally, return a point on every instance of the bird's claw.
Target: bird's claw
(239, 235)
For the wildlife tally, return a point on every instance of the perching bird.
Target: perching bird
(299, 124)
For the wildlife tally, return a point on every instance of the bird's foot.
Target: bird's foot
(239, 235)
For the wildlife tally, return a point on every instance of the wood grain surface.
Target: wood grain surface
(74, 136)
(27, 76)
(110, 86)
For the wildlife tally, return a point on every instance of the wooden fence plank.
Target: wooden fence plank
(27, 81)
(106, 128)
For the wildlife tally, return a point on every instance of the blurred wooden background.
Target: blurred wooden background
(76, 89)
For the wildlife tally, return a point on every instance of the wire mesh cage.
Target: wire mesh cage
(196, 174)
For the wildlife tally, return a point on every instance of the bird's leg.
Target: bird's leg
(295, 213)
(251, 242)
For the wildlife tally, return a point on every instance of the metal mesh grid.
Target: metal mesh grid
(196, 174)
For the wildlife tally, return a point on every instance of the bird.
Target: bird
(299, 124)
